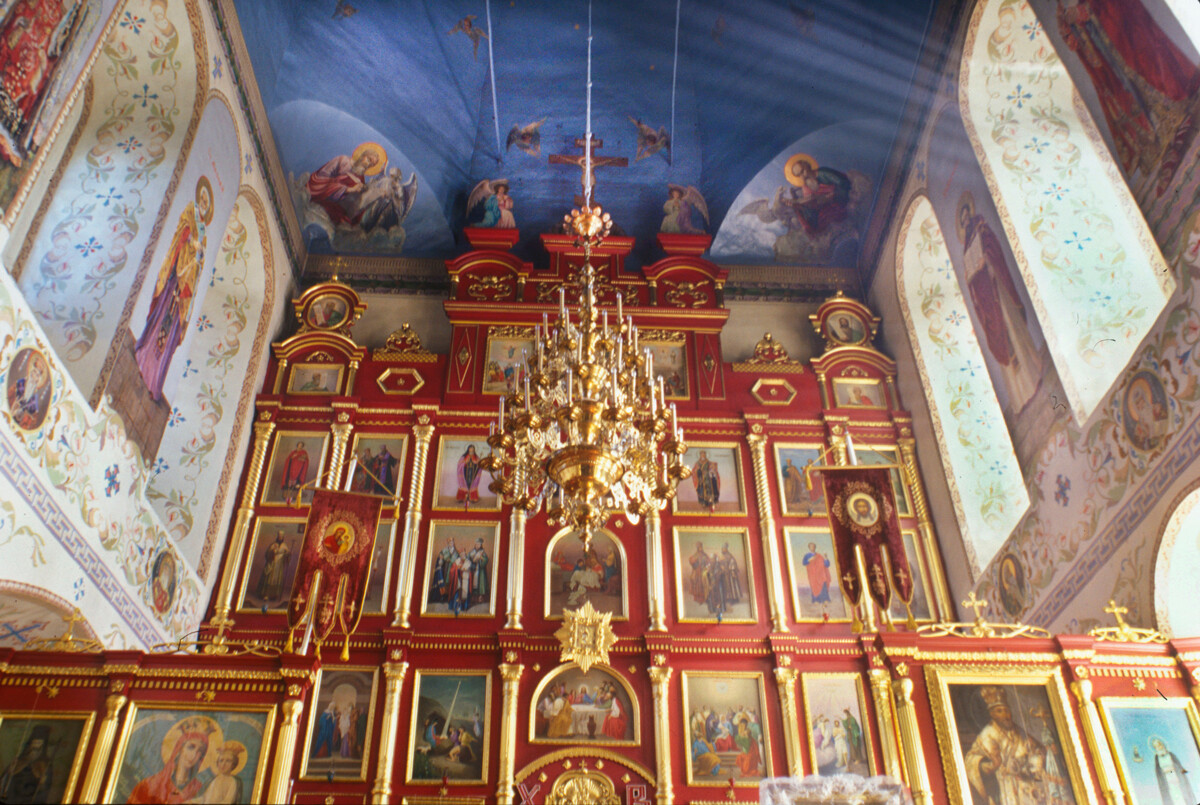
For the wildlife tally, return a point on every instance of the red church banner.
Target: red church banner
(339, 541)
(862, 513)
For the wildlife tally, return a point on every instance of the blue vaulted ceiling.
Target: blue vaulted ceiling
(757, 80)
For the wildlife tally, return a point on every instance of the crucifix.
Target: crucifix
(580, 161)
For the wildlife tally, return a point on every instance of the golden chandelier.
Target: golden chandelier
(590, 433)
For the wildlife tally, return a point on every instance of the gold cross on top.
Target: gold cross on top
(974, 603)
(1117, 612)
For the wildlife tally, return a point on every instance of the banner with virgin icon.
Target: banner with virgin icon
(862, 516)
(339, 541)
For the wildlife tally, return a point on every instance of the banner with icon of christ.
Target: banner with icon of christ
(862, 515)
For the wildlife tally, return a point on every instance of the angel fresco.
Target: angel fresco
(497, 204)
(650, 142)
(528, 138)
(820, 210)
(685, 211)
(356, 200)
(474, 32)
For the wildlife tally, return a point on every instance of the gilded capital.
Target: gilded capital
(660, 675)
(903, 689)
(511, 672)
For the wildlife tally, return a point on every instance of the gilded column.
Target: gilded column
(350, 376)
(656, 577)
(245, 513)
(660, 681)
(337, 453)
(933, 558)
(910, 743)
(280, 373)
(104, 744)
(885, 715)
(516, 567)
(511, 672)
(785, 679)
(285, 751)
(394, 673)
(412, 523)
(766, 527)
(1106, 770)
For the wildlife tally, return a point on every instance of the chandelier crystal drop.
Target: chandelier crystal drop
(590, 433)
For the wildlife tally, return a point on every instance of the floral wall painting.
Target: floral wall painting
(982, 468)
(339, 724)
(839, 734)
(801, 488)
(713, 580)
(570, 706)
(1073, 220)
(460, 569)
(716, 484)
(296, 462)
(726, 728)
(576, 575)
(273, 556)
(179, 754)
(816, 592)
(28, 389)
(41, 755)
(448, 738)
(1155, 745)
(462, 482)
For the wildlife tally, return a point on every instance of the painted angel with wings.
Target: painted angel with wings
(685, 211)
(497, 204)
(387, 200)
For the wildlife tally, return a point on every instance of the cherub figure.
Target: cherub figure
(497, 204)
(473, 32)
(685, 211)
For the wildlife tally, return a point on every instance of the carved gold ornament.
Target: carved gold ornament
(586, 636)
(1123, 631)
(979, 627)
(583, 787)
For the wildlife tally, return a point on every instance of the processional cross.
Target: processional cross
(580, 161)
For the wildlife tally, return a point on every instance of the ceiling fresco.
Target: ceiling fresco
(382, 113)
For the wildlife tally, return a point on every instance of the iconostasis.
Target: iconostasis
(497, 658)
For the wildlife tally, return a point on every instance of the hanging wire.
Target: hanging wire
(492, 72)
(587, 135)
(674, 74)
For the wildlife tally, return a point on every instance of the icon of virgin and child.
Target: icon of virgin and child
(198, 767)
